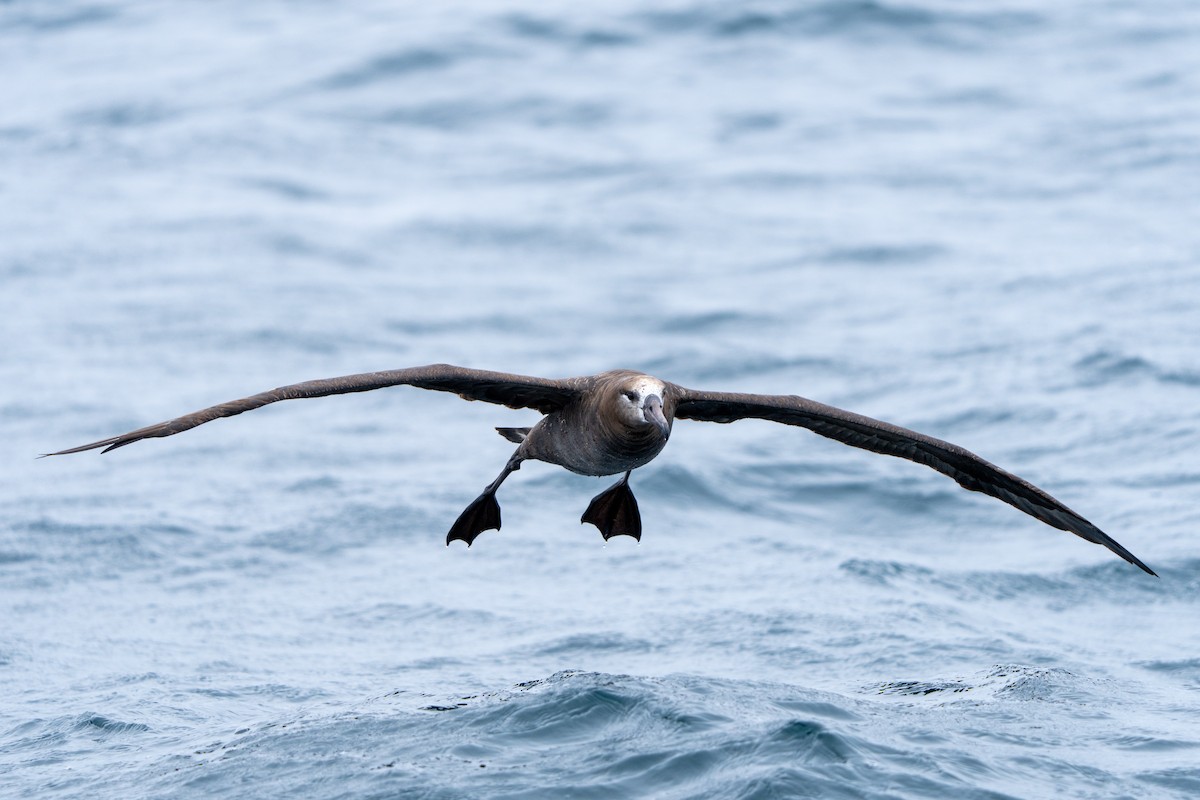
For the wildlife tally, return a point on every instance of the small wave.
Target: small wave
(1110, 581)
(1033, 683)
(52, 19)
(288, 189)
(707, 322)
(544, 29)
(125, 115)
(1184, 780)
(724, 369)
(860, 19)
(40, 734)
(466, 115)
(601, 734)
(99, 722)
(1186, 666)
(923, 688)
(885, 572)
(1004, 682)
(687, 487)
(885, 254)
(388, 66)
(1107, 366)
(1112, 366)
(1153, 744)
(585, 643)
(498, 238)
(401, 614)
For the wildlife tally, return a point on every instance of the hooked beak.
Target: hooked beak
(652, 409)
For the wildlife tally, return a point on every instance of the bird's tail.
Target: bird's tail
(514, 435)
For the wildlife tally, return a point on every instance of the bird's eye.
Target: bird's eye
(632, 395)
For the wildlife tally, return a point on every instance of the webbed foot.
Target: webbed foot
(615, 512)
(482, 515)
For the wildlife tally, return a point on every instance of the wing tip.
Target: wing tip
(1137, 562)
(1119, 549)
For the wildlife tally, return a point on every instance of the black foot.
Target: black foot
(615, 512)
(482, 515)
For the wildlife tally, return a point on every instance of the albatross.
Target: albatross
(617, 421)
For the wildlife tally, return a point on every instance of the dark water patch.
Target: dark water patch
(282, 338)
(617, 174)
(1183, 781)
(438, 663)
(735, 125)
(858, 19)
(917, 497)
(819, 708)
(707, 322)
(1002, 683)
(322, 483)
(1168, 79)
(1153, 744)
(553, 31)
(415, 326)
(98, 723)
(1184, 377)
(1020, 682)
(724, 371)
(16, 133)
(884, 254)
(105, 551)
(1150, 31)
(400, 613)
(989, 97)
(782, 179)
(390, 66)
(922, 688)
(441, 115)
(1186, 666)
(353, 525)
(886, 573)
(1112, 581)
(807, 741)
(454, 707)
(499, 239)
(51, 18)
(124, 115)
(292, 246)
(599, 735)
(987, 418)
(465, 116)
(585, 643)
(40, 734)
(1013, 586)
(286, 188)
(1106, 367)
(568, 717)
(14, 557)
(678, 483)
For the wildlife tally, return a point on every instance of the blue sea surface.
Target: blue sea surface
(978, 220)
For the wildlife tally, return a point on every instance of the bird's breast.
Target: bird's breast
(587, 446)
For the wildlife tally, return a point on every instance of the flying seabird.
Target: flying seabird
(617, 421)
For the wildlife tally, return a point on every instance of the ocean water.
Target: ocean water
(976, 220)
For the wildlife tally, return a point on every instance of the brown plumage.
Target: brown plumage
(618, 421)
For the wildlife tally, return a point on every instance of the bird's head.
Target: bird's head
(639, 403)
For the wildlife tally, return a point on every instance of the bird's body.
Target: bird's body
(617, 421)
(590, 435)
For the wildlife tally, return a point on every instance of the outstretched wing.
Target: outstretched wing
(856, 430)
(502, 388)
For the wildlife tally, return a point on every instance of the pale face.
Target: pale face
(633, 406)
